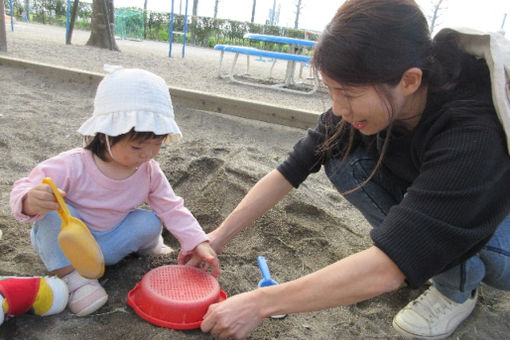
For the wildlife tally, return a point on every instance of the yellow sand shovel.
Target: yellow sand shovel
(76, 241)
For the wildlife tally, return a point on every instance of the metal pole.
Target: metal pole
(185, 29)
(504, 19)
(12, 15)
(27, 10)
(171, 31)
(68, 13)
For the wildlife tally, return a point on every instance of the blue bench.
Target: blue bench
(263, 53)
(280, 40)
(251, 51)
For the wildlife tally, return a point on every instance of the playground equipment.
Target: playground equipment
(125, 16)
(12, 15)
(171, 30)
(13, 20)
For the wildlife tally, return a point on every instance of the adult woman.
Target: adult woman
(413, 141)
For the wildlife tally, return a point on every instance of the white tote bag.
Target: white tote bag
(495, 49)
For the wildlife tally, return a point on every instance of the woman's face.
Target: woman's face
(362, 106)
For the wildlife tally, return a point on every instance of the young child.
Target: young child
(104, 183)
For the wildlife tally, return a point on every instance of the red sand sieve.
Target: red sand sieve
(175, 296)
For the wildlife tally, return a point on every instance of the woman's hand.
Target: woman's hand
(39, 200)
(202, 256)
(353, 279)
(233, 318)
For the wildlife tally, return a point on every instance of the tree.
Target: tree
(253, 11)
(194, 12)
(102, 34)
(3, 33)
(216, 8)
(145, 19)
(272, 14)
(195, 8)
(59, 7)
(436, 9)
(299, 7)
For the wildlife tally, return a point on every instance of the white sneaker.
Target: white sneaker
(85, 296)
(432, 315)
(159, 249)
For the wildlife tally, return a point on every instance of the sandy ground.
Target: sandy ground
(212, 168)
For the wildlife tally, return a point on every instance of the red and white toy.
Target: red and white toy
(37, 295)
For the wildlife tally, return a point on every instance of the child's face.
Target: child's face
(133, 153)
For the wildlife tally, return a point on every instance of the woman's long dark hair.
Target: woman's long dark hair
(373, 42)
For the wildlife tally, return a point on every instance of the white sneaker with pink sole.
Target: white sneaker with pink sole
(85, 296)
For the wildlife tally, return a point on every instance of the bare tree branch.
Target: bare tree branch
(436, 13)
(299, 7)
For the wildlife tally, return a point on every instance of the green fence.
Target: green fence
(129, 23)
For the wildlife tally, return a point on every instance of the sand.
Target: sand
(212, 168)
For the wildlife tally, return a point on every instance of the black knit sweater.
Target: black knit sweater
(456, 168)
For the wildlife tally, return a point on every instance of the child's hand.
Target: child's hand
(39, 200)
(202, 254)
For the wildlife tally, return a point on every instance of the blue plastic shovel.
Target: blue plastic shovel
(266, 275)
(267, 280)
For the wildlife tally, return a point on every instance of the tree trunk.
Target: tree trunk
(194, 12)
(271, 20)
(145, 19)
(253, 11)
(102, 34)
(216, 8)
(298, 11)
(3, 33)
(195, 8)
(71, 23)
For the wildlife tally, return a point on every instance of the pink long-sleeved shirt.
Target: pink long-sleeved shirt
(103, 202)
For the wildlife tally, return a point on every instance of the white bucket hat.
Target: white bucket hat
(132, 98)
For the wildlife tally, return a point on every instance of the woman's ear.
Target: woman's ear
(411, 80)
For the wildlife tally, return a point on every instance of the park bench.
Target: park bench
(251, 51)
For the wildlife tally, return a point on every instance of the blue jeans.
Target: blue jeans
(491, 265)
(139, 230)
